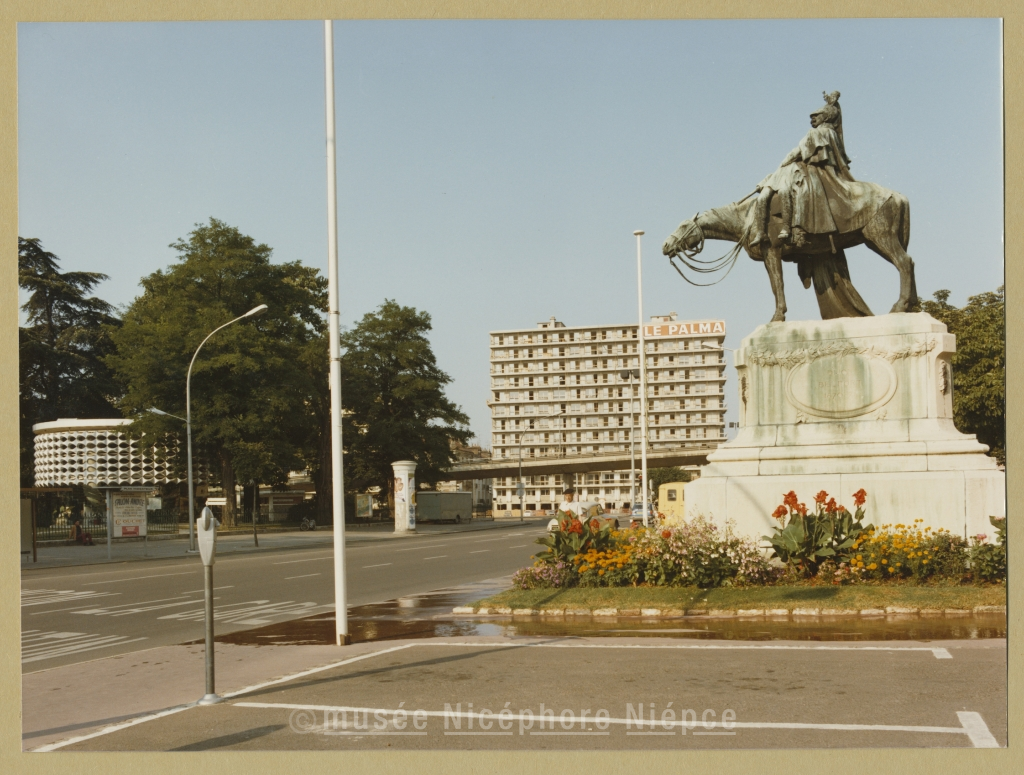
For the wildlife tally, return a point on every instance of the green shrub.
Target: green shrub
(808, 540)
(988, 561)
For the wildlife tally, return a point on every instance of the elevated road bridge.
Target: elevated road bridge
(576, 464)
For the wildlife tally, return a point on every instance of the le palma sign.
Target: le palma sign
(688, 328)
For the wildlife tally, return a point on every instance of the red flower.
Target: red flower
(666, 533)
(780, 513)
(576, 527)
(831, 506)
(594, 525)
(821, 497)
(842, 509)
(801, 509)
(789, 499)
(859, 497)
(564, 526)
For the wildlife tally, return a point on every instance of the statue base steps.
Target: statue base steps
(845, 404)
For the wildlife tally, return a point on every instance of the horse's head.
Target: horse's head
(688, 238)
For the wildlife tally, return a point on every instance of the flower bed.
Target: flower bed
(829, 546)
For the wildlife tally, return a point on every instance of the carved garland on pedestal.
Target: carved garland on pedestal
(790, 358)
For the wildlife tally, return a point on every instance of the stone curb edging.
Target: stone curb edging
(774, 613)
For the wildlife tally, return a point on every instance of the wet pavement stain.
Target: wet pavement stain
(430, 616)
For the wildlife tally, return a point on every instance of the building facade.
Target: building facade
(559, 391)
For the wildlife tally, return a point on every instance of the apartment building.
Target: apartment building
(567, 391)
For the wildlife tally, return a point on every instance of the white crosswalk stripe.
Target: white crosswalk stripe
(253, 612)
(31, 597)
(37, 645)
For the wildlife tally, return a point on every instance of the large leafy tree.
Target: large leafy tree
(395, 406)
(251, 395)
(62, 348)
(979, 365)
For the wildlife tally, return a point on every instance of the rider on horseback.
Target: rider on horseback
(798, 180)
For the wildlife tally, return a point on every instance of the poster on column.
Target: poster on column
(129, 514)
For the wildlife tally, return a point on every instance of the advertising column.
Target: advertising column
(405, 496)
(129, 514)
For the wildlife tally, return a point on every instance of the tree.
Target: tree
(61, 351)
(395, 407)
(979, 364)
(251, 396)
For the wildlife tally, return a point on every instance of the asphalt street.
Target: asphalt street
(537, 693)
(77, 614)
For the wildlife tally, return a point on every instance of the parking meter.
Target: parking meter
(208, 525)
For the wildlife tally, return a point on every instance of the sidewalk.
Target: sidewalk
(241, 542)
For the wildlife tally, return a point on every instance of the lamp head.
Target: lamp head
(154, 410)
(256, 311)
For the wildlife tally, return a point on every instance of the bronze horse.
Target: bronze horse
(819, 257)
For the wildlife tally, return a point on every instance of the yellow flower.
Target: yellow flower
(872, 566)
(925, 562)
(884, 562)
(600, 572)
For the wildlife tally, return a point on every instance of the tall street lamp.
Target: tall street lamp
(643, 371)
(188, 422)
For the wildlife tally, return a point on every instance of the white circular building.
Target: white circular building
(96, 453)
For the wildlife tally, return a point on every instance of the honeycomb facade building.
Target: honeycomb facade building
(97, 453)
(558, 391)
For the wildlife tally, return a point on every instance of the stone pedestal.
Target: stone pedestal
(845, 404)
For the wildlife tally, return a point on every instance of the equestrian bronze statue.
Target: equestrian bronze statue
(808, 212)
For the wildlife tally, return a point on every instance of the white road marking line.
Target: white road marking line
(629, 722)
(437, 557)
(140, 578)
(377, 566)
(977, 730)
(114, 728)
(37, 646)
(488, 540)
(31, 597)
(706, 646)
(306, 576)
(76, 608)
(480, 551)
(314, 670)
(308, 559)
(128, 608)
(417, 548)
(196, 591)
(517, 546)
(257, 612)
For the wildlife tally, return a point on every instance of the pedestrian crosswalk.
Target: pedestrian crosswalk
(37, 645)
(253, 613)
(30, 597)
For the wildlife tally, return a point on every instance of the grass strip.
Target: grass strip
(749, 598)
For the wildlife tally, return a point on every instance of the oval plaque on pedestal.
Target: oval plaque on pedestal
(841, 386)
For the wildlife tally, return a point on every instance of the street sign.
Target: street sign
(364, 506)
(136, 488)
(520, 489)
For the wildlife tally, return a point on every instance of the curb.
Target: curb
(767, 613)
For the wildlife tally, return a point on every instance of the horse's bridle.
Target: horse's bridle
(691, 252)
(698, 265)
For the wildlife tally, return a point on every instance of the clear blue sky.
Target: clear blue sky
(492, 173)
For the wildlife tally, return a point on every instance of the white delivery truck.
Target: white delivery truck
(444, 506)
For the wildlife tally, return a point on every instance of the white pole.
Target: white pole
(643, 373)
(334, 326)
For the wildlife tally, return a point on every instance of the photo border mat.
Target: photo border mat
(427, 763)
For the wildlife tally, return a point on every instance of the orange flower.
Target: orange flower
(789, 499)
(666, 533)
(820, 497)
(801, 509)
(780, 513)
(859, 497)
(831, 506)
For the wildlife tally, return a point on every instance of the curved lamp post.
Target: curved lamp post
(188, 422)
